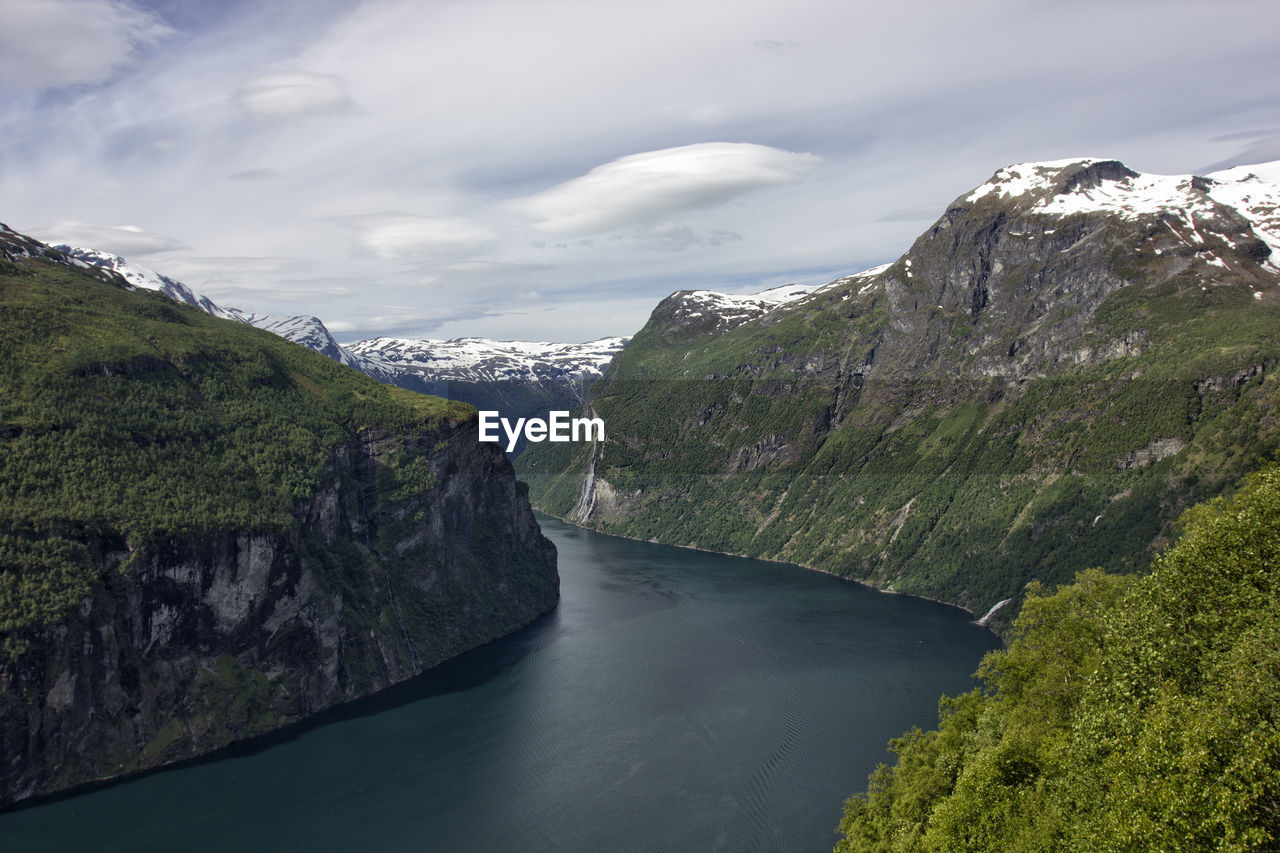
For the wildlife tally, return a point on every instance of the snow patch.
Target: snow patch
(484, 360)
(1255, 192)
(1022, 178)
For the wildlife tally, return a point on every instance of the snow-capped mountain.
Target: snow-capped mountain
(484, 360)
(525, 376)
(143, 277)
(517, 378)
(308, 331)
(724, 311)
(521, 378)
(18, 247)
(1068, 355)
(1108, 186)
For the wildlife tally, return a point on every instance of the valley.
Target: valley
(1072, 356)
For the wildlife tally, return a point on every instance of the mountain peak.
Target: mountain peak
(1091, 185)
(1052, 177)
(701, 310)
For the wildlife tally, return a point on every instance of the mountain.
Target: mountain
(1072, 354)
(207, 532)
(483, 360)
(518, 378)
(712, 311)
(301, 329)
(143, 277)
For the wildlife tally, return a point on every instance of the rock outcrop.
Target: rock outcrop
(188, 644)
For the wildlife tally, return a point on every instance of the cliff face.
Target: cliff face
(187, 644)
(207, 532)
(1068, 357)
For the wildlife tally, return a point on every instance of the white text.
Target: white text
(557, 427)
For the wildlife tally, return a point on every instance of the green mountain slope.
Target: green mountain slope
(207, 531)
(1037, 385)
(1128, 713)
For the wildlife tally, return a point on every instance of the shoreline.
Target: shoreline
(973, 618)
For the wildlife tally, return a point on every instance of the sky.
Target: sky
(545, 170)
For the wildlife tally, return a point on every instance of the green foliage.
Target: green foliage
(1126, 714)
(921, 477)
(38, 578)
(404, 479)
(124, 416)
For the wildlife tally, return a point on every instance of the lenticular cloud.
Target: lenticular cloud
(294, 93)
(398, 236)
(641, 189)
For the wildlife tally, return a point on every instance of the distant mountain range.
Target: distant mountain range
(302, 329)
(520, 378)
(1071, 354)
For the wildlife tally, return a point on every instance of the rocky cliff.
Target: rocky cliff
(187, 644)
(1068, 357)
(222, 535)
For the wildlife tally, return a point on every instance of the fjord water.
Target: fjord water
(675, 700)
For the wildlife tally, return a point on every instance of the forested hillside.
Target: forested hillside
(208, 532)
(122, 413)
(1127, 714)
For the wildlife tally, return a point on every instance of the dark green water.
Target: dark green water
(674, 701)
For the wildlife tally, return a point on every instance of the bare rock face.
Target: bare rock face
(189, 644)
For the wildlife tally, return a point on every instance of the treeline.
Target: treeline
(1128, 713)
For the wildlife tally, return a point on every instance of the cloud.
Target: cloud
(51, 43)
(224, 268)
(299, 292)
(346, 100)
(294, 93)
(126, 240)
(490, 267)
(921, 213)
(647, 188)
(254, 175)
(679, 238)
(394, 236)
(701, 115)
(774, 46)
(1262, 150)
(1247, 134)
